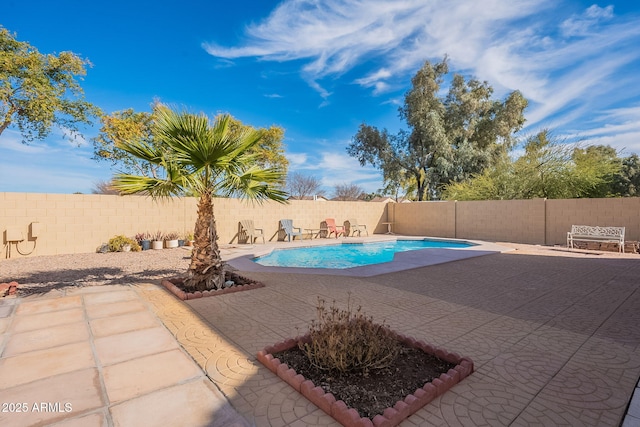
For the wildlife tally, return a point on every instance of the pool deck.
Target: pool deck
(553, 333)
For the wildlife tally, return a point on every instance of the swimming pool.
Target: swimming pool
(348, 255)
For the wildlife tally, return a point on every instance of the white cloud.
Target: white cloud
(334, 167)
(568, 64)
(53, 165)
(296, 159)
(579, 25)
(16, 177)
(12, 141)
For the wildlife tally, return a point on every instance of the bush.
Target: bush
(117, 243)
(346, 341)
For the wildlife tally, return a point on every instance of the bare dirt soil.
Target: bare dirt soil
(370, 394)
(41, 274)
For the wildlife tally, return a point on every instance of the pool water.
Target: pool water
(349, 255)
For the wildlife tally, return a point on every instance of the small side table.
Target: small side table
(312, 231)
(389, 227)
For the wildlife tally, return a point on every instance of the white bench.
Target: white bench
(590, 233)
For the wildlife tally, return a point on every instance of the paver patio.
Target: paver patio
(554, 337)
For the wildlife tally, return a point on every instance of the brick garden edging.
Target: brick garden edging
(170, 284)
(348, 416)
(8, 288)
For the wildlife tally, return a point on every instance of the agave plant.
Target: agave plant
(206, 159)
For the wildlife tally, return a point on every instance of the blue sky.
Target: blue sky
(320, 68)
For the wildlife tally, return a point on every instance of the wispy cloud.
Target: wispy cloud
(619, 128)
(333, 168)
(12, 141)
(559, 62)
(297, 159)
(334, 36)
(580, 25)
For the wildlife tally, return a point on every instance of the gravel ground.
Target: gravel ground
(40, 274)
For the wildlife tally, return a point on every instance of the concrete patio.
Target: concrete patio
(554, 336)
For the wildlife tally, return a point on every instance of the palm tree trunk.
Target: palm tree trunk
(206, 268)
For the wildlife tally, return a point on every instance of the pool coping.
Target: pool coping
(401, 261)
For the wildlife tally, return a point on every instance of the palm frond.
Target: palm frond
(253, 183)
(154, 187)
(142, 150)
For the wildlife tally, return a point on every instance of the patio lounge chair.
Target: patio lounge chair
(248, 230)
(333, 228)
(355, 227)
(289, 230)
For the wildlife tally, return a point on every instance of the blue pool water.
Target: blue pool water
(348, 255)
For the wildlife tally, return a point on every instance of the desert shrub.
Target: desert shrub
(347, 341)
(116, 243)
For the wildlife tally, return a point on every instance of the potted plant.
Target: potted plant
(188, 239)
(157, 240)
(171, 239)
(144, 240)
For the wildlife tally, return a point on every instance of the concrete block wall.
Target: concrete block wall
(519, 221)
(304, 213)
(615, 212)
(79, 223)
(436, 219)
(536, 221)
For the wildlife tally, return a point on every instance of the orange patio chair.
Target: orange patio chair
(333, 228)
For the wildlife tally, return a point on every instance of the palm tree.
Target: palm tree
(208, 160)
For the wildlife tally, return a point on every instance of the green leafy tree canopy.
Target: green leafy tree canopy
(38, 91)
(131, 126)
(549, 168)
(450, 138)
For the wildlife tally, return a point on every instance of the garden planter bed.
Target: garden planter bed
(175, 286)
(455, 369)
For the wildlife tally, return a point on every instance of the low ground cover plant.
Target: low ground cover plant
(117, 244)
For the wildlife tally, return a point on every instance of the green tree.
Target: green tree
(549, 168)
(451, 138)
(39, 91)
(597, 166)
(125, 126)
(129, 125)
(626, 182)
(270, 149)
(205, 159)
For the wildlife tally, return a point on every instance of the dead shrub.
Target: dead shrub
(347, 341)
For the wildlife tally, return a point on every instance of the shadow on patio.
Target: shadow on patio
(553, 336)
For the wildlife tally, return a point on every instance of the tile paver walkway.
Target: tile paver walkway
(100, 357)
(554, 337)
